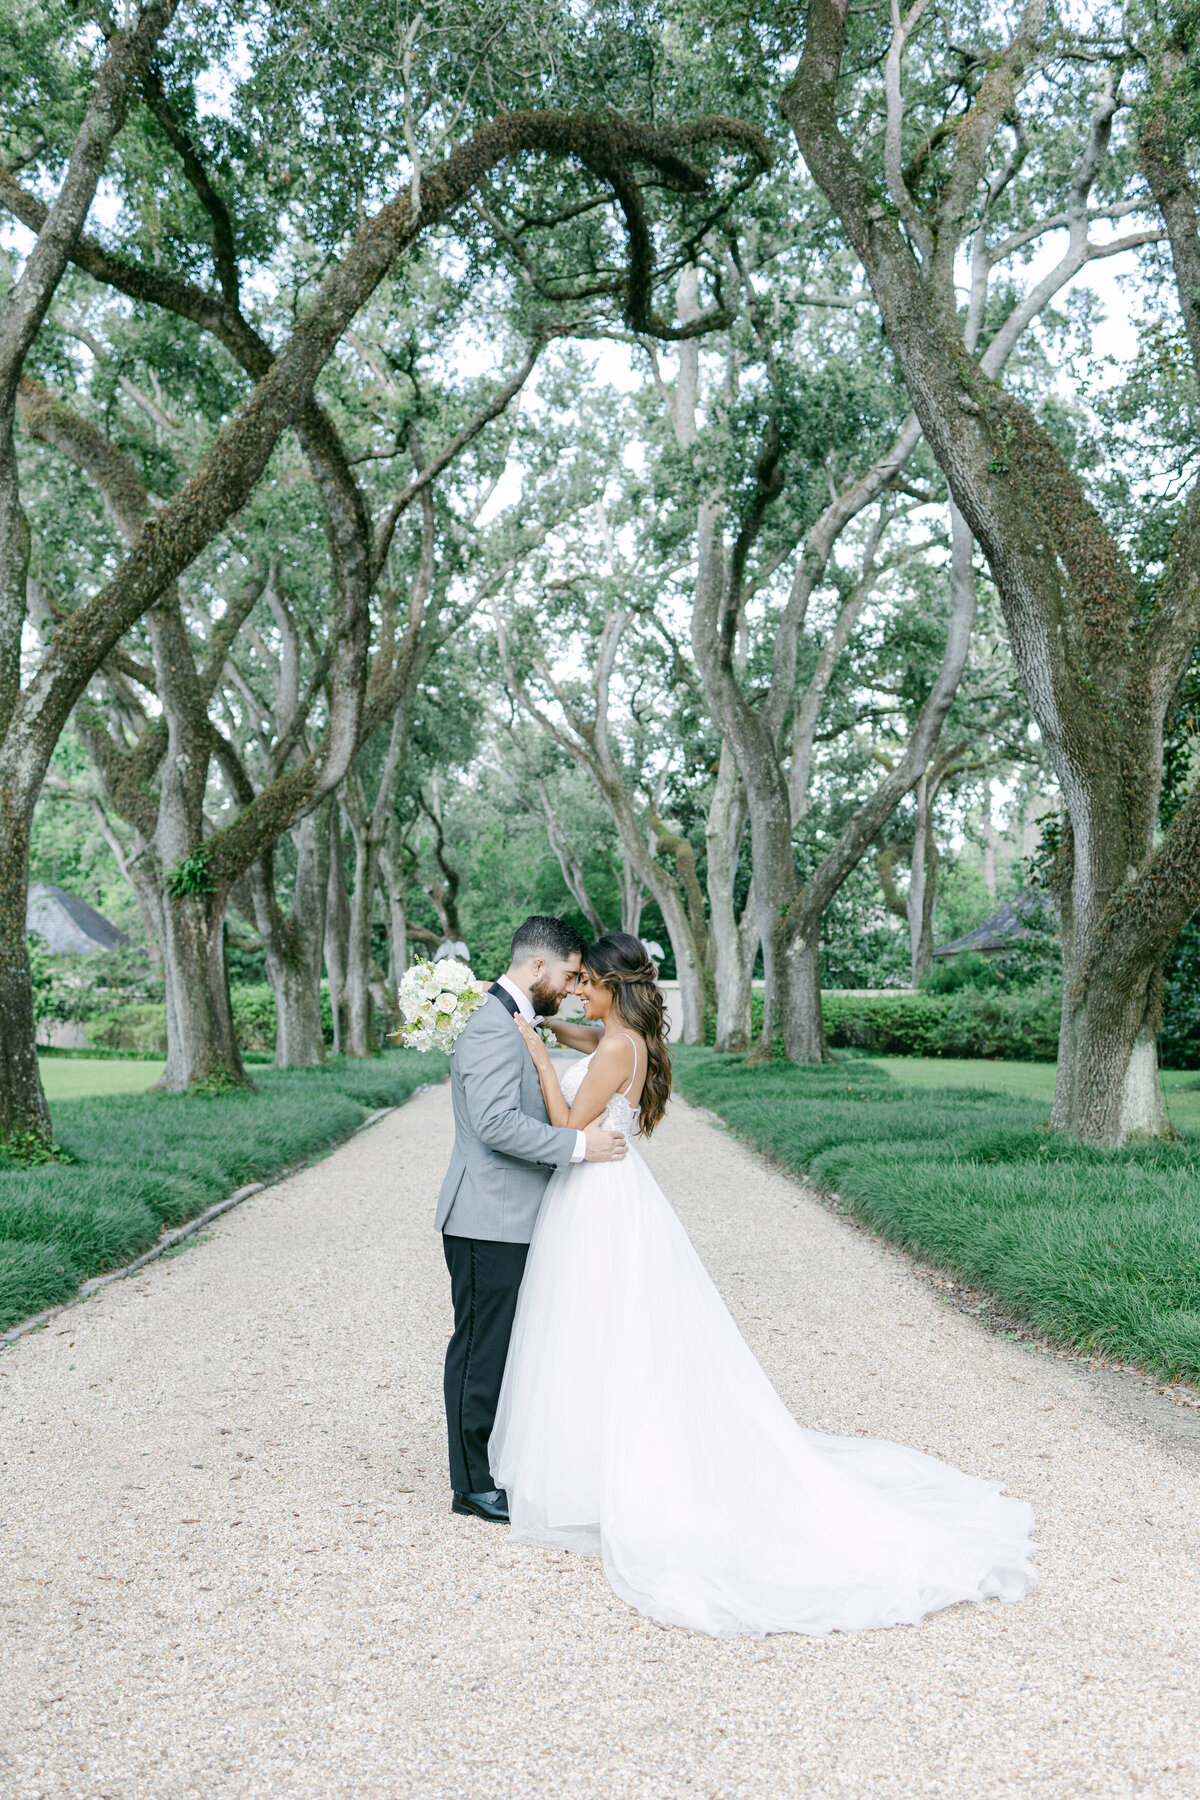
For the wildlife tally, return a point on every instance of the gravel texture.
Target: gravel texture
(230, 1568)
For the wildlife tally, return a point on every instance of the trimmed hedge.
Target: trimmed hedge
(1020, 1026)
(1096, 1248)
(142, 1025)
(144, 1161)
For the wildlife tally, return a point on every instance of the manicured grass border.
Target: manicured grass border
(168, 1241)
(146, 1163)
(1095, 1249)
(102, 1053)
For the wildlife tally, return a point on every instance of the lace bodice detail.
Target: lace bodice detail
(620, 1115)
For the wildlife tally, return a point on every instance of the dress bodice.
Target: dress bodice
(619, 1116)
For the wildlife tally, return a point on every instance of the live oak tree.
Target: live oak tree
(1099, 642)
(612, 717)
(767, 718)
(597, 873)
(25, 740)
(283, 376)
(461, 565)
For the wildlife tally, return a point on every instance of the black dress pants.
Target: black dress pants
(484, 1279)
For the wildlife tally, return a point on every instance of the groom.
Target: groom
(505, 1151)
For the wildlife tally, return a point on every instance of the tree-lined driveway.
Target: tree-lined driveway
(230, 1568)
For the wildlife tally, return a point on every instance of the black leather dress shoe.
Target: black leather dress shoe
(491, 1505)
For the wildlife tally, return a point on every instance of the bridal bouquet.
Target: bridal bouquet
(436, 1000)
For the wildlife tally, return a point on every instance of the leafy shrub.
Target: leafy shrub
(143, 1026)
(1179, 1044)
(1092, 1247)
(79, 987)
(1021, 1025)
(254, 1016)
(968, 970)
(135, 1026)
(143, 1161)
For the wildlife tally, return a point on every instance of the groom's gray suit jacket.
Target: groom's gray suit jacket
(505, 1149)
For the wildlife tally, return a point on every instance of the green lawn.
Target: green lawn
(82, 1078)
(1030, 1080)
(140, 1162)
(1100, 1249)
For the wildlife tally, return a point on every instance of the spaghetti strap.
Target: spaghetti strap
(633, 1077)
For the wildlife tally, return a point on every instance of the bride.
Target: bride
(635, 1423)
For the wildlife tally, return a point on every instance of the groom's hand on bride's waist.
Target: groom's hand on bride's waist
(604, 1146)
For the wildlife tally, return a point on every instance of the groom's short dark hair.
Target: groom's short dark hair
(541, 935)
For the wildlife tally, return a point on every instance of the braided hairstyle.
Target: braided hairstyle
(618, 962)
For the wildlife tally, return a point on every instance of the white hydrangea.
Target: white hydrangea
(436, 1000)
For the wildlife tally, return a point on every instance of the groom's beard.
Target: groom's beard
(544, 1000)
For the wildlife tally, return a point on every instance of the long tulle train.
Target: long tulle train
(635, 1423)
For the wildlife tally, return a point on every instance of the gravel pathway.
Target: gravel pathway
(230, 1569)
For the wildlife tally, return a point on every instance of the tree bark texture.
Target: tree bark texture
(23, 1109)
(922, 884)
(293, 942)
(1097, 669)
(201, 1047)
(337, 932)
(359, 1000)
(32, 720)
(395, 912)
(24, 1114)
(733, 939)
(633, 898)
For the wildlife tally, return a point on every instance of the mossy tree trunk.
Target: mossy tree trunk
(202, 1049)
(30, 723)
(733, 938)
(293, 940)
(32, 717)
(24, 1114)
(1097, 656)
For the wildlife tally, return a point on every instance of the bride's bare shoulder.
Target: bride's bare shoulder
(617, 1048)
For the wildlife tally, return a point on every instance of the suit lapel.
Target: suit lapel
(532, 1099)
(504, 997)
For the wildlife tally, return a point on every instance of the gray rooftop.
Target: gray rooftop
(1000, 932)
(68, 924)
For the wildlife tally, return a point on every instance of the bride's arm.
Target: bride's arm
(611, 1068)
(573, 1034)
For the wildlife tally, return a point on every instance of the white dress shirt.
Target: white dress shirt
(525, 1008)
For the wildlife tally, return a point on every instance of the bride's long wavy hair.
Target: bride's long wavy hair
(618, 962)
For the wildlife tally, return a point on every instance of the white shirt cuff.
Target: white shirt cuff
(580, 1151)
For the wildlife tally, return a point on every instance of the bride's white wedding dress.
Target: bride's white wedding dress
(635, 1423)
